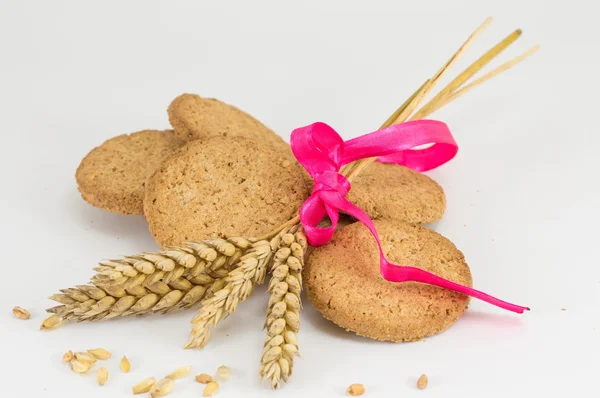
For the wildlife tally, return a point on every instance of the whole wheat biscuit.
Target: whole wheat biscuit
(113, 175)
(222, 187)
(389, 191)
(194, 117)
(343, 282)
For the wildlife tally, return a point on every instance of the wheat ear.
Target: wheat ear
(158, 282)
(250, 269)
(283, 314)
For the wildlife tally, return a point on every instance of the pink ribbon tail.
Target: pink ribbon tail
(322, 152)
(397, 273)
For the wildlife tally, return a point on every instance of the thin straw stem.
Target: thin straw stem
(484, 78)
(453, 59)
(404, 112)
(411, 104)
(468, 73)
(347, 169)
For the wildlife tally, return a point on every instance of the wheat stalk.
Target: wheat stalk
(239, 282)
(159, 282)
(283, 314)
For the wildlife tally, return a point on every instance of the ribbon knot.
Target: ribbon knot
(331, 181)
(322, 152)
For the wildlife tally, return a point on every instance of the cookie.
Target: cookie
(393, 192)
(222, 186)
(113, 175)
(343, 282)
(194, 117)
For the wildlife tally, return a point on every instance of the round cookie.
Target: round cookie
(389, 191)
(194, 117)
(343, 282)
(222, 187)
(113, 176)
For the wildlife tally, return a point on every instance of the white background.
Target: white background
(523, 192)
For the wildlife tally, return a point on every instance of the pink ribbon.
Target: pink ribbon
(322, 152)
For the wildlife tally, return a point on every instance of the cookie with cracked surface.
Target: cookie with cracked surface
(113, 175)
(343, 282)
(222, 186)
(389, 191)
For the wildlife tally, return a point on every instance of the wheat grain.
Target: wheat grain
(85, 357)
(249, 269)
(100, 353)
(179, 373)
(102, 376)
(211, 388)
(162, 388)
(144, 386)
(51, 322)
(67, 356)
(204, 378)
(223, 373)
(422, 382)
(283, 314)
(21, 313)
(355, 390)
(78, 366)
(173, 279)
(125, 365)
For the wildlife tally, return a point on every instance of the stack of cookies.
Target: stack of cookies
(221, 172)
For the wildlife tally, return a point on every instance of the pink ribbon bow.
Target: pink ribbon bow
(322, 152)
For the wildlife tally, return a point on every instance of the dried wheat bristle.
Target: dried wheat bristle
(422, 382)
(102, 376)
(355, 390)
(179, 373)
(250, 269)
(144, 386)
(173, 279)
(204, 378)
(125, 365)
(99, 353)
(211, 388)
(162, 387)
(283, 314)
(21, 313)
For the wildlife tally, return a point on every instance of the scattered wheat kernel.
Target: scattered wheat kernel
(67, 356)
(85, 357)
(223, 373)
(355, 390)
(125, 365)
(204, 378)
(78, 366)
(51, 322)
(162, 388)
(99, 353)
(179, 373)
(144, 386)
(211, 388)
(21, 313)
(422, 382)
(563, 309)
(102, 376)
